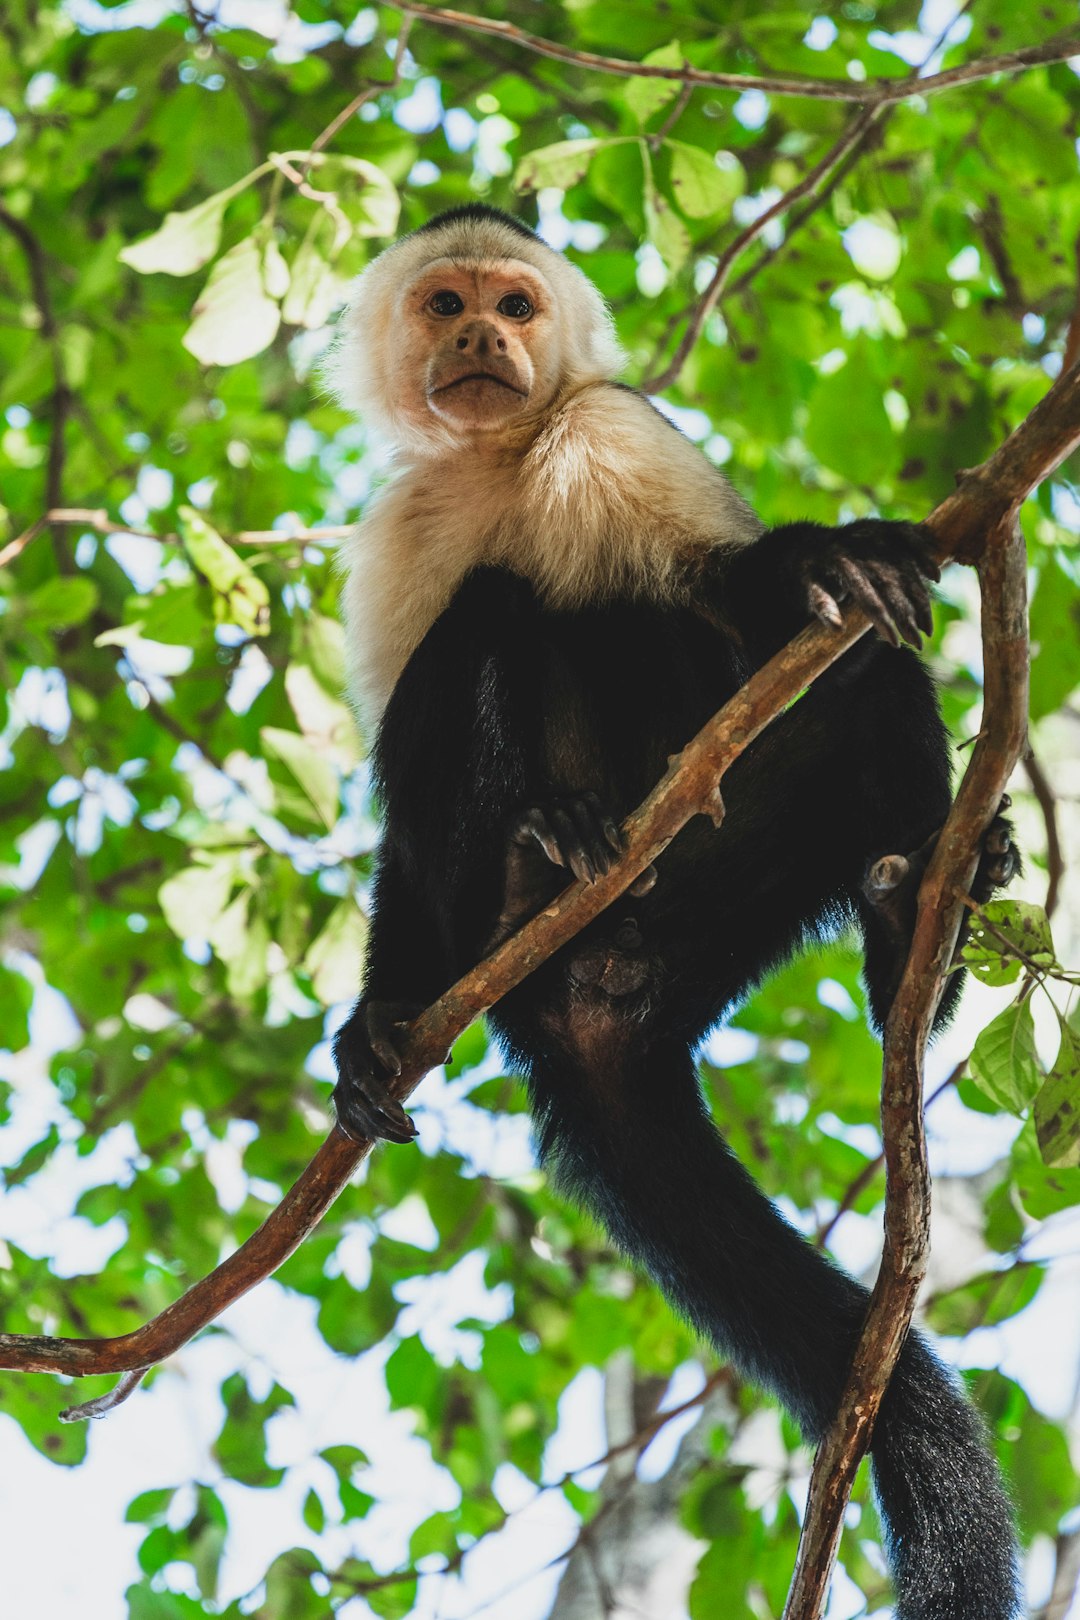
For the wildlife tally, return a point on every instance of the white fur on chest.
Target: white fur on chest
(608, 501)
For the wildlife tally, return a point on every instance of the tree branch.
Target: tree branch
(1003, 589)
(1043, 790)
(874, 92)
(98, 521)
(988, 496)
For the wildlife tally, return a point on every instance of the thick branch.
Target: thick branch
(872, 92)
(960, 524)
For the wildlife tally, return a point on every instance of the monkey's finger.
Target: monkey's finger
(822, 605)
(591, 833)
(998, 839)
(535, 825)
(892, 588)
(383, 1048)
(608, 827)
(644, 882)
(366, 1111)
(919, 596)
(574, 853)
(865, 596)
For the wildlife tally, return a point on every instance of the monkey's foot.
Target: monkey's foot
(882, 568)
(365, 1053)
(892, 883)
(999, 858)
(576, 832)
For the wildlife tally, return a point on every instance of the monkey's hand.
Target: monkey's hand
(365, 1054)
(575, 831)
(881, 567)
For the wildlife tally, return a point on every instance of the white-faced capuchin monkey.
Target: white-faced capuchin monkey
(550, 596)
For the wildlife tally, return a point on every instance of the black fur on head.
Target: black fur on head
(464, 212)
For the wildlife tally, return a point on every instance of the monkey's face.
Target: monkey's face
(479, 343)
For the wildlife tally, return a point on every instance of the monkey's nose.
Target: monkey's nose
(480, 339)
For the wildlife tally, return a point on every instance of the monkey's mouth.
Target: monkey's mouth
(479, 377)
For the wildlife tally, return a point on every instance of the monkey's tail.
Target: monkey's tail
(630, 1138)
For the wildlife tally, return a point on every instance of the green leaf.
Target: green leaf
(1057, 1106)
(314, 289)
(240, 596)
(193, 900)
(241, 937)
(335, 958)
(184, 242)
(314, 1512)
(700, 188)
(16, 999)
(1055, 640)
(848, 427)
(1014, 931)
(667, 233)
(60, 602)
(316, 776)
(234, 316)
(1043, 1189)
(240, 1448)
(561, 165)
(1004, 1062)
(645, 97)
(986, 1300)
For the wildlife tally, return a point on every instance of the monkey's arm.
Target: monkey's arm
(404, 972)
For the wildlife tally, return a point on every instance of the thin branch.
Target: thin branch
(1003, 588)
(373, 88)
(1066, 1576)
(1071, 352)
(98, 521)
(851, 139)
(870, 1169)
(816, 186)
(874, 91)
(689, 787)
(1055, 855)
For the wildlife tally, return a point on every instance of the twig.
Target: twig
(689, 787)
(952, 866)
(1071, 352)
(1066, 1576)
(874, 91)
(98, 521)
(1055, 856)
(857, 130)
(373, 88)
(817, 186)
(872, 1166)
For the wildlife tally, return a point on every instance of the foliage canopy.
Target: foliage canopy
(186, 829)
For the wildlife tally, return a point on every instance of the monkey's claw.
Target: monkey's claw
(364, 1050)
(882, 568)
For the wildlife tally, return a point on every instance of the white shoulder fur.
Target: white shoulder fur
(609, 500)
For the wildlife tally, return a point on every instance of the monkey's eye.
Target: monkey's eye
(445, 303)
(516, 305)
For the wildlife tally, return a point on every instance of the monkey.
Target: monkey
(550, 595)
